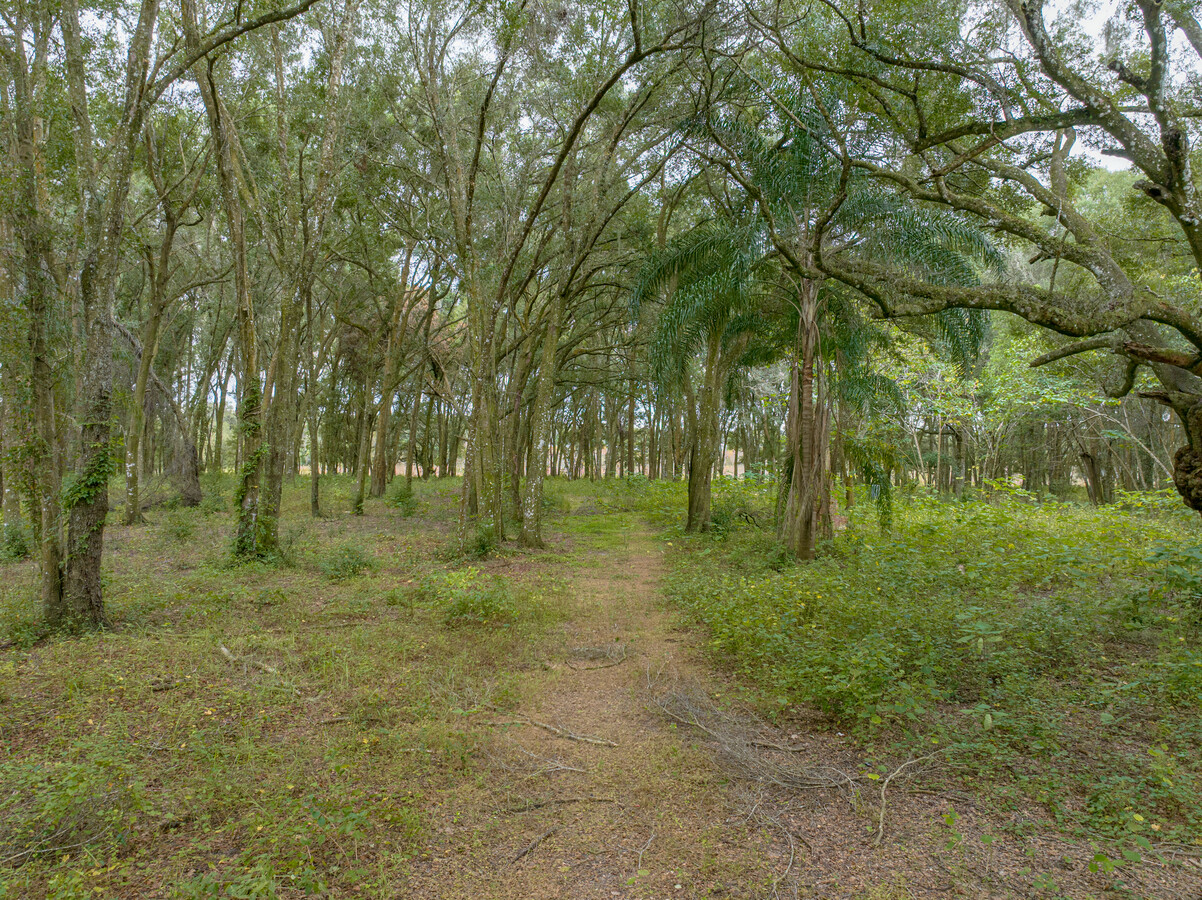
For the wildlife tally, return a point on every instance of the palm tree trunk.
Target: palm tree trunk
(800, 520)
(704, 446)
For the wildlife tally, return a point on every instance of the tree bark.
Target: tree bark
(799, 523)
(703, 449)
(249, 540)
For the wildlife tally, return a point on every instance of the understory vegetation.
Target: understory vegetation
(1047, 650)
(344, 343)
(305, 726)
(278, 728)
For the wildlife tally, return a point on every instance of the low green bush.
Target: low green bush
(467, 597)
(1002, 630)
(92, 801)
(15, 543)
(344, 562)
(402, 499)
(179, 525)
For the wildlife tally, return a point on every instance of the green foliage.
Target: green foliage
(481, 541)
(93, 801)
(465, 597)
(1000, 630)
(14, 544)
(213, 502)
(746, 501)
(346, 561)
(402, 499)
(81, 488)
(554, 500)
(179, 525)
(1180, 570)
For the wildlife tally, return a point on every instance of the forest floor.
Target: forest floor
(373, 717)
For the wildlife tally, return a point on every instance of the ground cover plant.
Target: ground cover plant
(1048, 651)
(338, 721)
(279, 728)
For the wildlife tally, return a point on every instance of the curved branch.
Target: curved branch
(1094, 343)
(218, 39)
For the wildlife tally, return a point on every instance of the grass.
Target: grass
(299, 728)
(1049, 652)
(253, 730)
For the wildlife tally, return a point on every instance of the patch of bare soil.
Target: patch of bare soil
(619, 777)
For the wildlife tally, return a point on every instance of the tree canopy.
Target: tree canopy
(813, 242)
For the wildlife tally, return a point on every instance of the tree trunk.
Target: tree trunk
(86, 500)
(541, 416)
(704, 443)
(799, 521)
(362, 458)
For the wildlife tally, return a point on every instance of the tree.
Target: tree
(948, 120)
(804, 203)
(84, 275)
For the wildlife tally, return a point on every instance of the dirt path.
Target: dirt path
(638, 810)
(588, 790)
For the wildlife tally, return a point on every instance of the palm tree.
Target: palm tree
(721, 278)
(713, 279)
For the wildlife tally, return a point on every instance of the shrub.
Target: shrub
(749, 501)
(481, 542)
(466, 597)
(179, 525)
(15, 543)
(344, 562)
(93, 803)
(402, 498)
(1179, 678)
(1180, 569)
(949, 608)
(554, 500)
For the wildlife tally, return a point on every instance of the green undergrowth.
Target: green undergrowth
(1048, 652)
(281, 728)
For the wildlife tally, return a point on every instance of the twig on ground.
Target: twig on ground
(41, 849)
(534, 843)
(880, 827)
(557, 731)
(639, 864)
(736, 744)
(262, 667)
(769, 821)
(554, 765)
(614, 654)
(556, 801)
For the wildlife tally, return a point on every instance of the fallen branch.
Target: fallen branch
(559, 732)
(554, 765)
(606, 653)
(41, 848)
(262, 667)
(639, 864)
(880, 826)
(540, 804)
(534, 843)
(736, 744)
